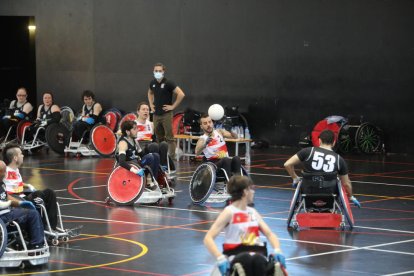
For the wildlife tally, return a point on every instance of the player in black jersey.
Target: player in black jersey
(130, 150)
(91, 115)
(323, 161)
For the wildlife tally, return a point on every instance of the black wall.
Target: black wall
(286, 64)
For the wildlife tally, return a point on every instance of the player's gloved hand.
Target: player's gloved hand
(43, 123)
(38, 200)
(6, 117)
(140, 172)
(296, 181)
(30, 188)
(279, 257)
(89, 120)
(355, 201)
(223, 265)
(19, 115)
(27, 205)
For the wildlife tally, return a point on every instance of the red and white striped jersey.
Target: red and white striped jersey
(217, 148)
(13, 181)
(145, 131)
(243, 228)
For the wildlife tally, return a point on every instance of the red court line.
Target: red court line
(385, 219)
(384, 173)
(108, 268)
(386, 209)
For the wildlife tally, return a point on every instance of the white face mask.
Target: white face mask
(158, 75)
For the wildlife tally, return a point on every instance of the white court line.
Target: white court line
(353, 181)
(75, 203)
(400, 273)
(110, 220)
(80, 188)
(99, 252)
(370, 247)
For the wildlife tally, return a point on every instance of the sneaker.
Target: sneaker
(35, 247)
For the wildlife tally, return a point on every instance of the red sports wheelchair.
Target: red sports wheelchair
(320, 201)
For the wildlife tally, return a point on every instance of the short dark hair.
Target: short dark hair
(50, 93)
(160, 64)
(127, 126)
(237, 184)
(141, 104)
(9, 152)
(203, 116)
(327, 137)
(88, 94)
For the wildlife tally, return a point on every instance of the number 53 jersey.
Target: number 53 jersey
(317, 159)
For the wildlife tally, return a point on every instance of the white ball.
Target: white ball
(216, 112)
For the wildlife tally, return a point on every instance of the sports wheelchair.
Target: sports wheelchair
(209, 184)
(329, 208)
(351, 134)
(127, 188)
(14, 251)
(271, 266)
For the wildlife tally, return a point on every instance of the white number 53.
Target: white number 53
(324, 162)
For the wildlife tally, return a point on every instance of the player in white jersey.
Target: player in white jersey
(214, 148)
(242, 224)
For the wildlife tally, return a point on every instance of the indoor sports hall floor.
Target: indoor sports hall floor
(167, 239)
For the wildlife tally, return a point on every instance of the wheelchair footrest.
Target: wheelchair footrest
(324, 220)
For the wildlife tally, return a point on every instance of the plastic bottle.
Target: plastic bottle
(241, 132)
(247, 133)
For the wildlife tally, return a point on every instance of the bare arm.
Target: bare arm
(222, 220)
(55, 108)
(151, 100)
(27, 108)
(227, 134)
(347, 184)
(200, 146)
(290, 166)
(38, 111)
(180, 96)
(97, 109)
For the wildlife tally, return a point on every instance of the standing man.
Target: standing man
(160, 97)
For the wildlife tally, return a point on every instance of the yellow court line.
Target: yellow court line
(60, 170)
(144, 251)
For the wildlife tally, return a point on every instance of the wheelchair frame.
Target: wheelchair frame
(336, 217)
(18, 258)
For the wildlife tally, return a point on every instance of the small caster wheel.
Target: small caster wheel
(55, 242)
(22, 265)
(170, 200)
(78, 155)
(295, 225)
(65, 239)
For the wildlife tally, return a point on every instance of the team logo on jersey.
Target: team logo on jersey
(162, 85)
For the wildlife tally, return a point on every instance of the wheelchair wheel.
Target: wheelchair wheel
(3, 237)
(368, 138)
(21, 126)
(346, 207)
(344, 143)
(177, 124)
(125, 187)
(111, 120)
(294, 204)
(57, 137)
(202, 183)
(67, 117)
(103, 140)
(128, 117)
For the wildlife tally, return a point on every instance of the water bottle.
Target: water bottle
(241, 132)
(247, 133)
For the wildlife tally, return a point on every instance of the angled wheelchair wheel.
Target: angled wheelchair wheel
(103, 140)
(21, 126)
(128, 117)
(294, 204)
(57, 137)
(125, 187)
(177, 124)
(202, 183)
(346, 207)
(67, 117)
(111, 119)
(368, 138)
(3, 237)
(345, 142)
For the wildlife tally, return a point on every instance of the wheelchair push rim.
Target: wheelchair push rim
(3, 237)
(103, 140)
(21, 126)
(202, 183)
(111, 120)
(124, 187)
(368, 138)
